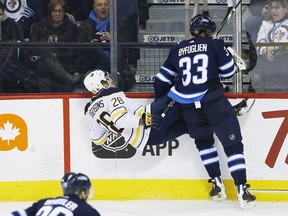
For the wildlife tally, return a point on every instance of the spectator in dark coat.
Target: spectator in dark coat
(55, 67)
(13, 77)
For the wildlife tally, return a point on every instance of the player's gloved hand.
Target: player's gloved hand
(147, 119)
(239, 61)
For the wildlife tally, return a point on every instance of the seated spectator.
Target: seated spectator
(270, 74)
(54, 67)
(14, 78)
(77, 10)
(24, 15)
(96, 29)
(260, 12)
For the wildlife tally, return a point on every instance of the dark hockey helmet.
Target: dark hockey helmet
(202, 23)
(73, 183)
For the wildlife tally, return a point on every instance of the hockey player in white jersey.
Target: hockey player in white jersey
(110, 112)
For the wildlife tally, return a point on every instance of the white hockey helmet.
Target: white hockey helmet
(94, 80)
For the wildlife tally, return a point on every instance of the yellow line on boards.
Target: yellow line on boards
(143, 189)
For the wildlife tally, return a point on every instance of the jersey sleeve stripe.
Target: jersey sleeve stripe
(136, 136)
(172, 73)
(163, 78)
(228, 75)
(227, 65)
(139, 130)
(99, 142)
(140, 110)
(100, 139)
(117, 114)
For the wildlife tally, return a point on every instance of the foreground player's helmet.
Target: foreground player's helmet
(202, 23)
(94, 80)
(73, 183)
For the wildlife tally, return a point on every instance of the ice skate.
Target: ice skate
(218, 190)
(246, 199)
(244, 106)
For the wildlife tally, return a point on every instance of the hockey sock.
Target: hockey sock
(237, 167)
(210, 159)
(236, 162)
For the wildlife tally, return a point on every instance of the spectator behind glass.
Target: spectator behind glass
(14, 77)
(270, 73)
(23, 12)
(55, 67)
(97, 29)
(260, 11)
(77, 10)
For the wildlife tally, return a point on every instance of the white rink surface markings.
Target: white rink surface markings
(170, 208)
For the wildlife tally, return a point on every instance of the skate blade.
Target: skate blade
(248, 205)
(219, 197)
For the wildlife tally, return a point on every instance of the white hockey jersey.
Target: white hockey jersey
(111, 114)
(15, 9)
(272, 32)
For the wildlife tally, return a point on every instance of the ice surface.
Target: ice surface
(170, 208)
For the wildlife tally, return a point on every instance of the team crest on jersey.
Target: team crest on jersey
(280, 34)
(12, 6)
(115, 146)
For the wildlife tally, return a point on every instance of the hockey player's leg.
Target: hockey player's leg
(210, 159)
(237, 167)
(203, 134)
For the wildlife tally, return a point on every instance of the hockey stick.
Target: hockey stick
(227, 17)
(167, 108)
(237, 58)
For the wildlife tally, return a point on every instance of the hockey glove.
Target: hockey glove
(239, 61)
(147, 119)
